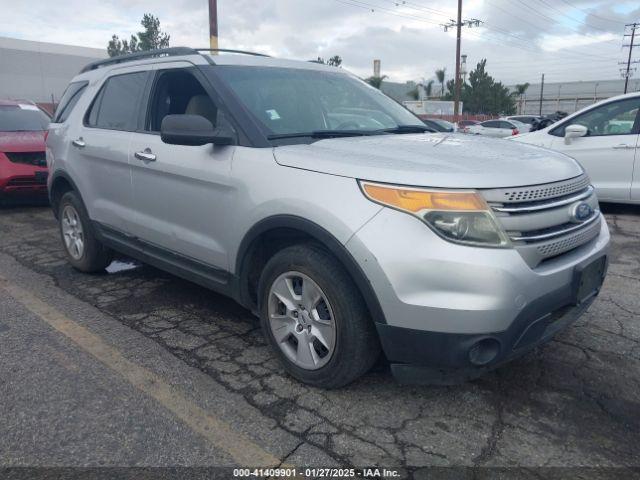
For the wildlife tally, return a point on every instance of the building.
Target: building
(40, 71)
(571, 96)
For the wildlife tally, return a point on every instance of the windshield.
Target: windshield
(20, 118)
(289, 101)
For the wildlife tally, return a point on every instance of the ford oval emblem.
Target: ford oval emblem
(580, 212)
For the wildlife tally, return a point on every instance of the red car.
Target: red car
(23, 166)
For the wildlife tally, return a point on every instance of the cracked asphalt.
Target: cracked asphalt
(574, 402)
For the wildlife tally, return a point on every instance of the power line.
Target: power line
(590, 13)
(525, 43)
(626, 73)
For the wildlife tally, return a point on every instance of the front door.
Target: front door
(182, 194)
(608, 151)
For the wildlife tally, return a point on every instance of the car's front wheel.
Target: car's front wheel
(84, 251)
(315, 318)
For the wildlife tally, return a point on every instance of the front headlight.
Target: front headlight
(458, 216)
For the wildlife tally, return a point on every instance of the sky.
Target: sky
(521, 39)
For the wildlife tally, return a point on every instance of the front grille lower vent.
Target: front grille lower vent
(37, 159)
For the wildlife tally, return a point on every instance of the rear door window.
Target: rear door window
(69, 99)
(116, 107)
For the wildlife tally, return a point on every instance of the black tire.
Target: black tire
(357, 346)
(95, 257)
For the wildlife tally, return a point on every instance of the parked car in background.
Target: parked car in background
(496, 128)
(463, 125)
(440, 125)
(23, 166)
(604, 138)
(530, 120)
(347, 237)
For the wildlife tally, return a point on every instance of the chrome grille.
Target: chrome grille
(537, 192)
(539, 219)
(557, 247)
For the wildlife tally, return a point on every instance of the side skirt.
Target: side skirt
(184, 267)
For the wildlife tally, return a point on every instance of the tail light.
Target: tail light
(515, 131)
(46, 134)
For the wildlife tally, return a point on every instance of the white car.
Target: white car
(528, 120)
(498, 128)
(604, 139)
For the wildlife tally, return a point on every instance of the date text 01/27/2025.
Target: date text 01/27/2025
(316, 473)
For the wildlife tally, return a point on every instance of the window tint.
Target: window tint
(69, 99)
(116, 106)
(178, 92)
(617, 118)
(507, 125)
(492, 124)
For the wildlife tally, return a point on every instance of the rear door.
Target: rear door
(101, 149)
(609, 150)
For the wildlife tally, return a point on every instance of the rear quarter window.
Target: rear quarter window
(69, 100)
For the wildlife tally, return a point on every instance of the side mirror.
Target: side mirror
(574, 131)
(192, 130)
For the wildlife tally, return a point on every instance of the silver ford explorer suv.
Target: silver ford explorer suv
(327, 209)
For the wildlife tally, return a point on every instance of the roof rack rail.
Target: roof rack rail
(161, 52)
(227, 50)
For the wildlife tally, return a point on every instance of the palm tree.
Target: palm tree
(428, 88)
(441, 75)
(521, 88)
(376, 81)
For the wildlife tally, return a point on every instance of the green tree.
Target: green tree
(335, 61)
(483, 94)
(441, 74)
(376, 81)
(150, 38)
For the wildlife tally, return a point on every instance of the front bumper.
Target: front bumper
(20, 181)
(448, 307)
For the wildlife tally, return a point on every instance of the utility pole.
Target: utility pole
(459, 23)
(627, 72)
(456, 99)
(541, 93)
(213, 25)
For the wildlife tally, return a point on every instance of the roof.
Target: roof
(14, 103)
(224, 57)
(51, 48)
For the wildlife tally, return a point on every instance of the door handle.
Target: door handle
(624, 146)
(145, 155)
(80, 143)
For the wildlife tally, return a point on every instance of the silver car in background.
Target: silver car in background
(328, 210)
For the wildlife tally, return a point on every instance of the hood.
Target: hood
(22, 141)
(432, 160)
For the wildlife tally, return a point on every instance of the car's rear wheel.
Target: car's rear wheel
(315, 319)
(84, 251)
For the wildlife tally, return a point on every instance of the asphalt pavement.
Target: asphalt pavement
(135, 367)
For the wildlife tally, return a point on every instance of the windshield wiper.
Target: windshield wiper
(327, 134)
(409, 129)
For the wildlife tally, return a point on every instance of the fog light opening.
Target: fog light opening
(484, 352)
